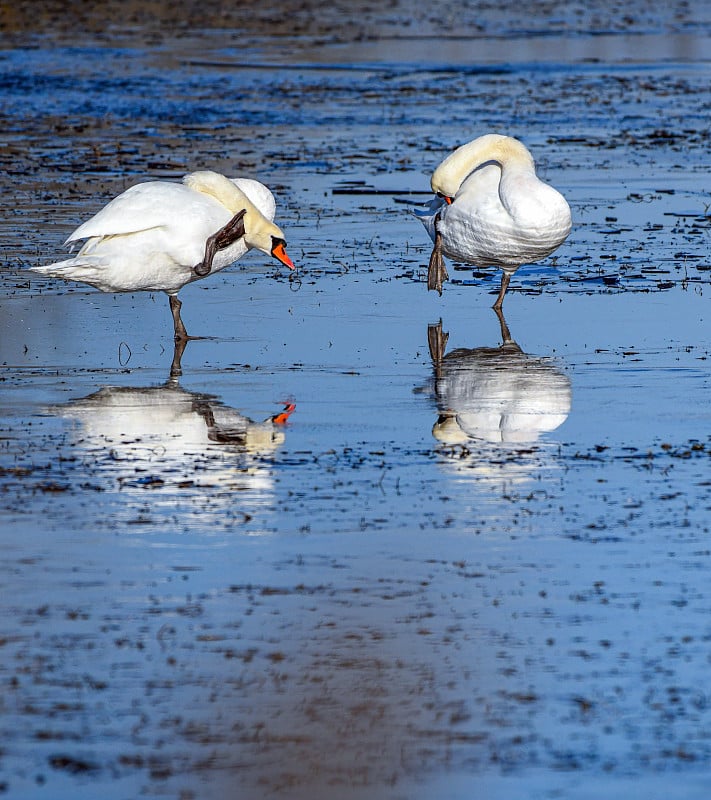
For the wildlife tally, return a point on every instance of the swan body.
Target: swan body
(153, 236)
(492, 210)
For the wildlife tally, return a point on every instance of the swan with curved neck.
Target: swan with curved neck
(161, 235)
(258, 230)
(492, 210)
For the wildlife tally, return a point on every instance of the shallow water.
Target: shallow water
(480, 575)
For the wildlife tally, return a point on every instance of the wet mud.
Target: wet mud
(360, 540)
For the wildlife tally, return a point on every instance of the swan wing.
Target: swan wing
(142, 207)
(504, 221)
(259, 194)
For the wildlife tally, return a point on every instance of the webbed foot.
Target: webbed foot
(437, 272)
(226, 236)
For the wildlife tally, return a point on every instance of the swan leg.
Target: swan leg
(437, 341)
(437, 272)
(218, 241)
(505, 280)
(181, 335)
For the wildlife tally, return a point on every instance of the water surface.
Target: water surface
(479, 574)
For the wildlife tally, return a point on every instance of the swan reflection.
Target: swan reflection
(496, 400)
(168, 439)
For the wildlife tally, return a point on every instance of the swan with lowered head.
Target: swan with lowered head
(160, 235)
(492, 210)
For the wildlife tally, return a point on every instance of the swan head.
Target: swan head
(267, 237)
(259, 231)
(450, 174)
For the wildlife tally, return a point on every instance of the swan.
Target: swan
(492, 210)
(160, 235)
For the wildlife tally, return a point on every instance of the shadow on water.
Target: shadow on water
(495, 403)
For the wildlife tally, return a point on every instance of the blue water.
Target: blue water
(358, 606)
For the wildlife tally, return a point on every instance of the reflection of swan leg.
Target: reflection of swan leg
(437, 272)
(226, 236)
(181, 335)
(175, 368)
(505, 332)
(437, 341)
(505, 280)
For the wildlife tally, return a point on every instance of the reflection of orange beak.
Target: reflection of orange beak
(283, 417)
(279, 252)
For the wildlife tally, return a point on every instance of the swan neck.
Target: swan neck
(504, 150)
(221, 189)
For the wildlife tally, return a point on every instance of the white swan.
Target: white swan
(492, 210)
(158, 236)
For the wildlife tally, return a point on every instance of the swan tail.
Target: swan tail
(73, 269)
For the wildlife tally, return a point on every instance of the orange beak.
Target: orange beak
(283, 417)
(279, 252)
(448, 200)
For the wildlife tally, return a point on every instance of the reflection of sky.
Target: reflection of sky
(527, 49)
(173, 446)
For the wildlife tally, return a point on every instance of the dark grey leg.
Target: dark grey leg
(505, 280)
(181, 335)
(218, 241)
